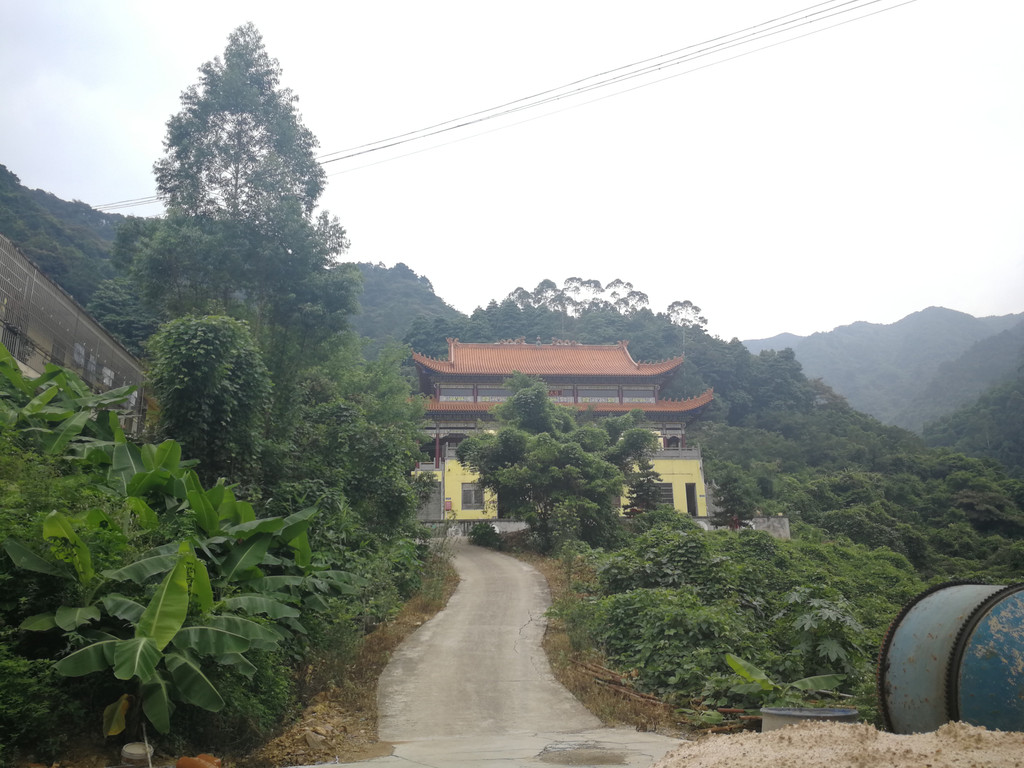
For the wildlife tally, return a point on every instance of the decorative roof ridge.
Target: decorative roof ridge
(428, 357)
(662, 360)
(706, 396)
(521, 340)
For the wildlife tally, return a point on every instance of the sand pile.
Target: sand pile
(850, 745)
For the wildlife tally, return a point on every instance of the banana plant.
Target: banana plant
(161, 650)
(57, 407)
(771, 693)
(237, 583)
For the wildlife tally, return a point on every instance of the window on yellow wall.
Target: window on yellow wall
(472, 496)
(665, 494)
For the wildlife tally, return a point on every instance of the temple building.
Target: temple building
(602, 378)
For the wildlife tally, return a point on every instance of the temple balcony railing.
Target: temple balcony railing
(691, 452)
(447, 454)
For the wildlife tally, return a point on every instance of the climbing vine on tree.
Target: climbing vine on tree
(213, 389)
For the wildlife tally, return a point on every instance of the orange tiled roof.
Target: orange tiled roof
(660, 406)
(560, 358)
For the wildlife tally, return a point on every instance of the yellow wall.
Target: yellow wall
(679, 472)
(454, 476)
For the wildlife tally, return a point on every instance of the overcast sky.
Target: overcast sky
(860, 172)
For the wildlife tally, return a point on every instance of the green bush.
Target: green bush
(661, 557)
(34, 711)
(673, 601)
(671, 637)
(661, 517)
(484, 535)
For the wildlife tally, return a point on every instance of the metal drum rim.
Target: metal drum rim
(960, 645)
(883, 652)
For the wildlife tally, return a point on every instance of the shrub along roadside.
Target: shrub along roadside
(668, 607)
(162, 593)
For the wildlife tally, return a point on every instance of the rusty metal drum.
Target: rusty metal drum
(955, 652)
(986, 680)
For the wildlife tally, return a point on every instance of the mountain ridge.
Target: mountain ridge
(69, 241)
(908, 372)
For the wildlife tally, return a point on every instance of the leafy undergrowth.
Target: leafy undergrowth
(606, 694)
(339, 724)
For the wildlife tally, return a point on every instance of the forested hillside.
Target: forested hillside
(960, 382)
(392, 298)
(69, 241)
(911, 371)
(991, 427)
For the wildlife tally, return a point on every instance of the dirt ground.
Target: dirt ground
(842, 745)
(329, 731)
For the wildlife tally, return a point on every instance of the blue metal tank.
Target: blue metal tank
(955, 652)
(986, 680)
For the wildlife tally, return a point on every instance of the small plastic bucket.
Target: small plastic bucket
(773, 718)
(136, 753)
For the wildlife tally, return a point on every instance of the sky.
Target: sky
(861, 166)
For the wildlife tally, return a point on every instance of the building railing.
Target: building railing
(690, 452)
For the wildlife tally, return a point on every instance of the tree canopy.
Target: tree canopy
(242, 234)
(564, 478)
(213, 390)
(238, 149)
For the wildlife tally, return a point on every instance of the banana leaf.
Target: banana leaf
(40, 622)
(254, 604)
(156, 702)
(243, 556)
(136, 657)
(96, 657)
(260, 636)
(23, 557)
(55, 443)
(191, 683)
(167, 609)
(114, 715)
(142, 570)
(210, 641)
(57, 526)
(69, 618)
(122, 607)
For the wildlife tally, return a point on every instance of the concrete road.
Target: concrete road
(472, 687)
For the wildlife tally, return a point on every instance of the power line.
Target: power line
(812, 15)
(715, 46)
(618, 93)
(559, 88)
(637, 69)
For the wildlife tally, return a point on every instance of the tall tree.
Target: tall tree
(242, 235)
(238, 148)
(117, 306)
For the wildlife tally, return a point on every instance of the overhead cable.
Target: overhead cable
(816, 14)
